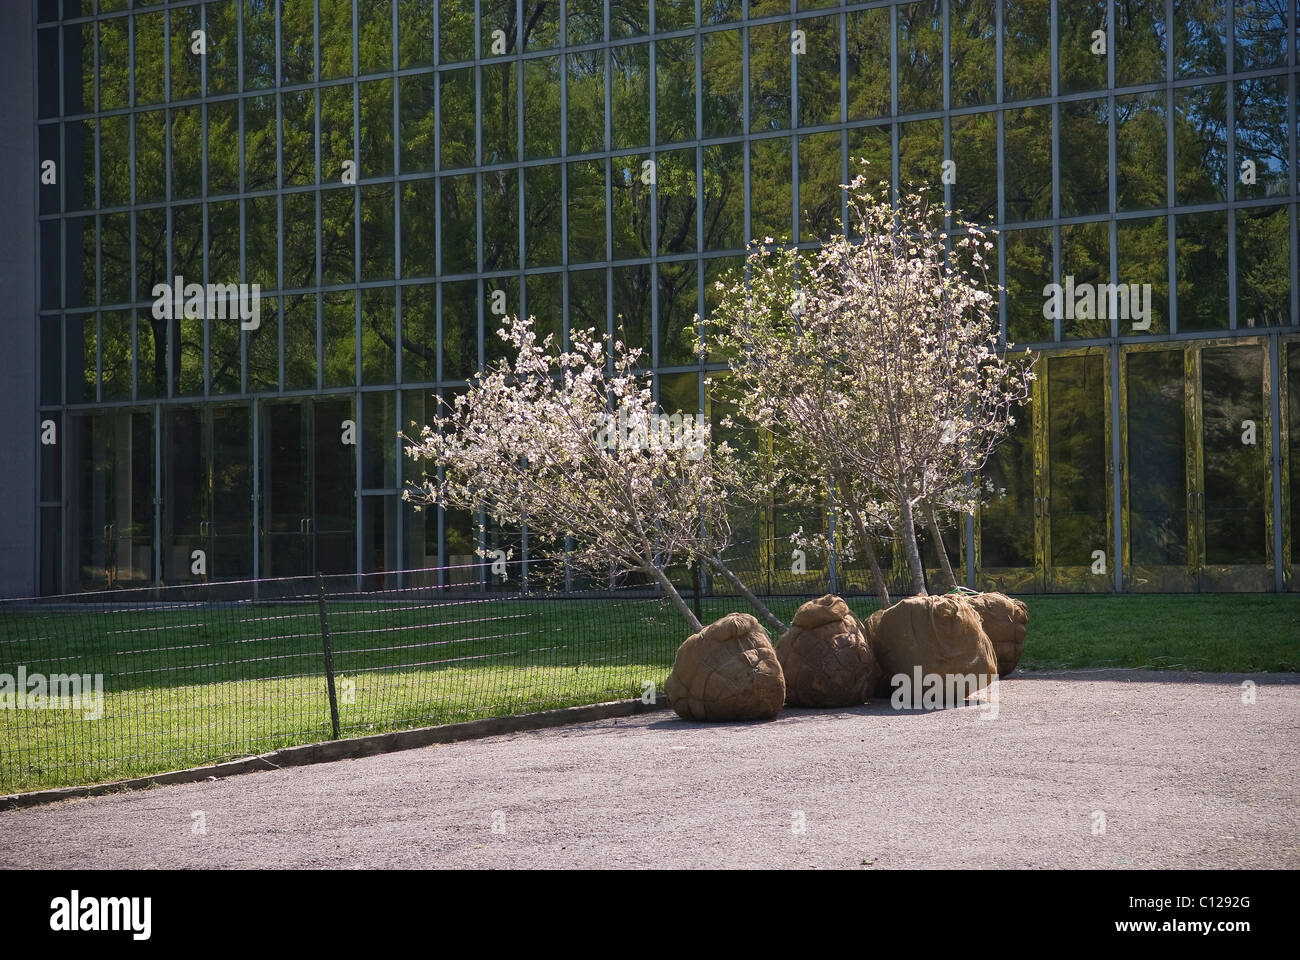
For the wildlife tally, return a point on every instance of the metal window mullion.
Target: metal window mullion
(653, 80)
(893, 102)
(744, 141)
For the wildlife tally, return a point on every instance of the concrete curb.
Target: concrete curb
(347, 749)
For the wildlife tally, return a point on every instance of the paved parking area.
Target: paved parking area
(1178, 770)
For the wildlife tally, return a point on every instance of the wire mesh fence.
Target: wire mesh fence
(129, 682)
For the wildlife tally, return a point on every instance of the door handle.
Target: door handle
(204, 527)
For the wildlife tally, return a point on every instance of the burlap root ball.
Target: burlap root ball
(727, 671)
(825, 656)
(941, 635)
(1004, 620)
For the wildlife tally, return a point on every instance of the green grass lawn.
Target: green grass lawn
(191, 685)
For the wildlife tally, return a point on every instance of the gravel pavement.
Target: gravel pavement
(1183, 773)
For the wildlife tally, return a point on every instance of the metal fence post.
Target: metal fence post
(329, 653)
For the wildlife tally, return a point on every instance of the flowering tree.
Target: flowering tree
(876, 362)
(533, 442)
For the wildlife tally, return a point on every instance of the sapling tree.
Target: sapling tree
(571, 444)
(877, 356)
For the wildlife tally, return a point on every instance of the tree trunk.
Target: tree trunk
(910, 548)
(864, 539)
(766, 615)
(933, 523)
(662, 579)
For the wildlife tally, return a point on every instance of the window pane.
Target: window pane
(500, 220)
(772, 201)
(1026, 49)
(587, 306)
(1139, 37)
(769, 77)
(455, 30)
(459, 342)
(378, 339)
(1201, 247)
(1085, 256)
(1261, 125)
(1237, 495)
(339, 338)
(973, 45)
(1200, 27)
(1262, 36)
(819, 72)
(586, 211)
(1081, 68)
(630, 199)
(1085, 163)
(675, 89)
(678, 305)
(542, 79)
(300, 342)
(374, 35)
(586, 125)
(298, 137)
(338, 223)
(458, 111)
(678, 201)
(975, 153)
(418, 228)
(724, 196)
(1157, 458)
(500, 110)
(1140, 181)
(458, 239)
(415, 39)
(1029, 269)
(299, 241)
(630, 95)
(419, 333)
(1263, 267)
(920, 56)
(819, 185)
(543, 231)
(377, 232)
(376, 129)
(417, 128)
(632, 320)
(723, 83)
(1143, 253)
(1028, 163)
(1200, 144)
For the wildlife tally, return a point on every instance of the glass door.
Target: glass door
(1075, 473)
(308, 468)
(1008, 525)
(1155, 405)
(1197, 489)
(1234, 491)
(333, 520)
(111, 502)
(186, 506)
(230, 529)
(1289, 394)
(286, 469)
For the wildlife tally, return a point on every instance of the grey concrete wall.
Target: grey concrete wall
(19, 520)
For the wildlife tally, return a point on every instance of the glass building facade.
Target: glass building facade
(396, 175)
